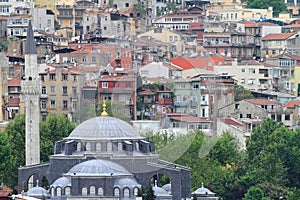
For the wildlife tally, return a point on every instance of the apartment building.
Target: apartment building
(250, 74)
(60, 90)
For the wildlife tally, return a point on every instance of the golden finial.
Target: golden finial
(104, 113)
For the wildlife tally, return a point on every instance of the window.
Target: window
(128, 84)
(65, 59)
(170, 38)
(84, 191)
(104, 85)
(126, 5)
(92, 191)
(98, 148)
(71, 22)
(126, 192)
(52, 104)
(109, 146)
(68, 191)
(65, 104)
(84, 59)
(116, 192)
(93, 59)
(100, 191)
(44, 91)
(52, 88)
(52, 77)
(64, 90)
(251, 71)
(287, 117)
(64, 77)
(44, 104)
(105, 28)
(105, 18)
(58, 191)
(74, 106)
(73, 60)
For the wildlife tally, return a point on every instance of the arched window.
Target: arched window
(67, 191)
(126, 192)
(137, 146)
(98, 147)
(88, 146)
(52, 192)
(116, 192)
(100, 191)
(109, 146)
(120, 146)
(84, 191)
(92, 191)
(58, 191)
(135, 191)
(78, 146)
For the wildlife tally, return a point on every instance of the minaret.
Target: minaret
(31, 91)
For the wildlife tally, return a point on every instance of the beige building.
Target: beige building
(60, 90)
(166, 36)
(250, 74)
(240, 13)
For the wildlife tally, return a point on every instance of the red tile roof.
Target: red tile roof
(13, 82)
(262, 102)
(277, 36)
(201, 63)
(189, 118)
(291, 104)
(231, 122)
(13, 102)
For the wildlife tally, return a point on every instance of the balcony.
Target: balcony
(44, 96)
(181, 103)
(204, 103)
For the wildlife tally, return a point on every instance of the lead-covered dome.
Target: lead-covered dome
(98, 168)
(104, 128)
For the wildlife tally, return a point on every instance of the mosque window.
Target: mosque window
(92, 191)
(68, 191)
(126, 192)
(109, 146)
(98, 147)
(58, 191)
(120, 146)
(88, 146)
(100, 191)
(116, 192)
(84, 191)
(78, 146)
(52, 192)
(135, 192)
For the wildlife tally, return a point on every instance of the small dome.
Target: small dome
(62, 182)
(159, 192)
(104, 127)
(37, 192)
(167, 187)
(98, 168)
(127, 182)
(204, 191)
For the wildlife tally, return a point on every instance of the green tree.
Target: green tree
(3, 45)
(225, 151)
(146, 192)
(55, 128)
(241, 93)
(12, 144)
(294, 194)
(278, 5)
(171, 6)
(254, 193)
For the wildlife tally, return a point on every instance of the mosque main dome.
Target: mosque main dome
(104, 128)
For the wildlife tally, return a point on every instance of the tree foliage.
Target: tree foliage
(12, 144)
(241, 93)
(278, 5)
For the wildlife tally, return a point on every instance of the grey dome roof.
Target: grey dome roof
(104, 127)
(62, 182)
(98, 168)
(126, 182)
(37, 192)
(158, 191)
(167, 187)
(204, 191)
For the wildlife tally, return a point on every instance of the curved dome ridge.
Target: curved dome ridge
(104, 127)
(98, 167)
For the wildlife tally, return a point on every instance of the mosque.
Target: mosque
(104, 157)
